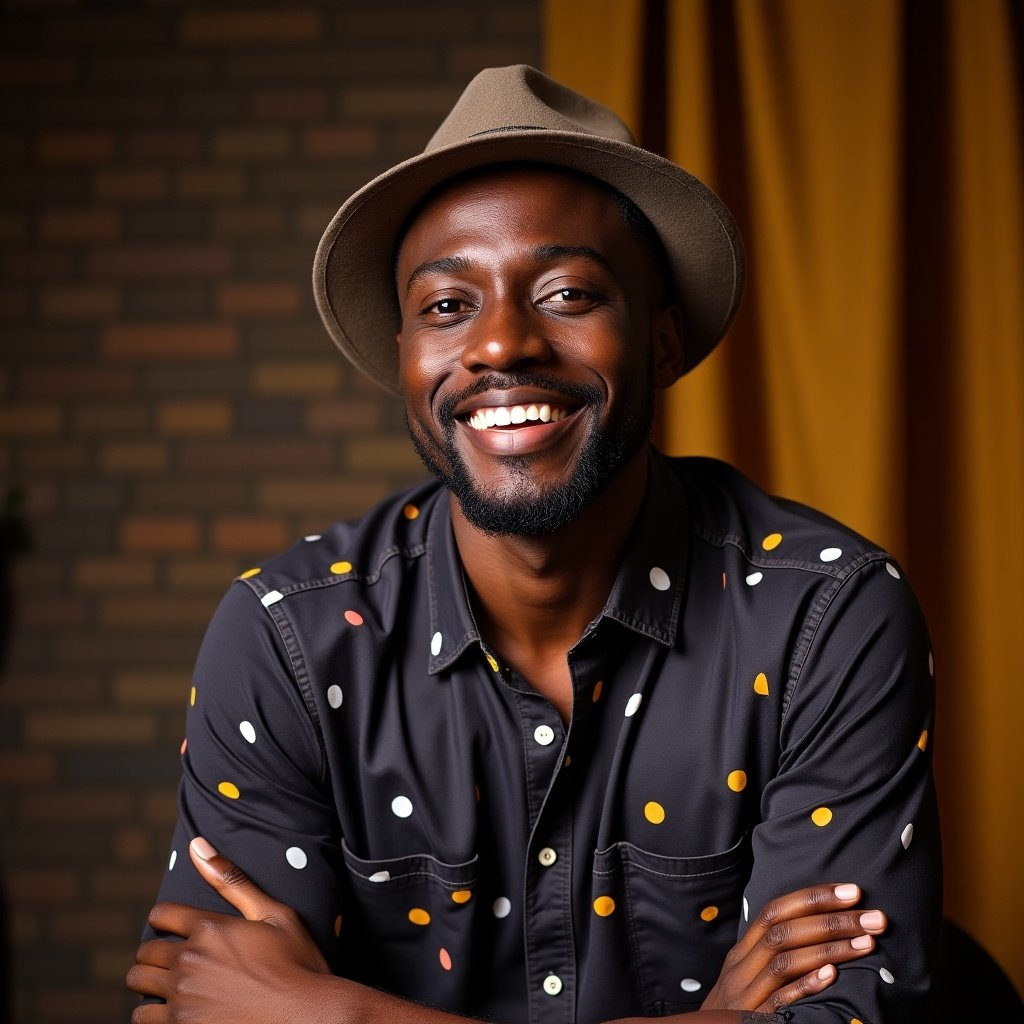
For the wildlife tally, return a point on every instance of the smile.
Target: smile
(514, 415)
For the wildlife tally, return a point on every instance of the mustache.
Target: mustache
(585, 394)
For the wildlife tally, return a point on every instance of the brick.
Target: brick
(15, 303)
(43, 886)
(155, 223)
(208, 105)
(77, 805)
(97, 29)
(169, 341)
(286, 24)
(58, 381)
(446, 21)
(74, 649)
(133, 457)
(167, 69)
(28, 264)
(33, 573)
(269, 298)
(343, 416)
(37, 70)
(13, 226)
(155, 688)
(79, 688)
(191, 493)
(164, 146)
(78, 225)
(334, 143)
(120, 884)
(88, 923)
(132, 844)
(70, 457)
(53, 612)
(78, 147)
(210, 183)
(110, 418)
(109, 964)
(13, 148)
(74, 1005)
(159, 533)
(24, 930)
(299, 181)
(131, 185)
(27, 419)
(414, 100)
(272, 418)
(42, 187)
(161, 808)
(259, 455)
(121, 107)
(289, 105)
(203, 573)
(206, 416)
(284, 261)
(313, 218)
(296, 378)
(198, 378)
(292, 67)
(252, 144)
(466, 59)
(27, 769)
(380, 455)
(114, 573)
(249, 534)
(79, 302)
(516, 20)
(248, 221)
(336, 498)
(93, 495)
(155, 611)
(169, 299)
(159, 261)
(88, 729)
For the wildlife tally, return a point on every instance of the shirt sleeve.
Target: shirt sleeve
(853, 800)
(253, 776)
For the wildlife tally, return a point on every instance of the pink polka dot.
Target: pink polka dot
(445, 958)
(353, 618)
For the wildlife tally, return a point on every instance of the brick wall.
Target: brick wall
(169, 402)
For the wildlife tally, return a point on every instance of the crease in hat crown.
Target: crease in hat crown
(518, 114)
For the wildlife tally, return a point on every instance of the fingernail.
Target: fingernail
(825, 973)
(202, 848)
(872, 920)
(862, 942)
(847, 892)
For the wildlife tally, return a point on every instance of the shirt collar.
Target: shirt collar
(646, 596)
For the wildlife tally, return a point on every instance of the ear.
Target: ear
(667, 341)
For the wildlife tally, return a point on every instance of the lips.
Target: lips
(508, 417)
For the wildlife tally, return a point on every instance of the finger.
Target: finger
(158, 953)
(179, 919)
(808, 985)
(151, 1013)
(148, 981)
(815, 899)
(233, 883)
(807, 931)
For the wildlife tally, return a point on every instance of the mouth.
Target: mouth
(509, 417)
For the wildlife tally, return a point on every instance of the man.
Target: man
(540, 744)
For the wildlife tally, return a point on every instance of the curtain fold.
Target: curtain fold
(871, 151)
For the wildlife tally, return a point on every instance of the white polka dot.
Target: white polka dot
(892, 570)
(633, 703)
(271, 598)
(886, 976)
(401, 806)
(544, 735)
(311, 536)
(659, 579)
(380, 876)
(931, 664)
(690, 985)
(830, 554)
(502, 906)
(907, 835)
(435, 644)
(295, 856)
(754, 578)
(246, 729)
(173, 860)
(746, 909)
(334, 696)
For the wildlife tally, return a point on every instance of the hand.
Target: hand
(253, 970)
(791, 949)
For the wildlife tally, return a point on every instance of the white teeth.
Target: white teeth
(504, 416)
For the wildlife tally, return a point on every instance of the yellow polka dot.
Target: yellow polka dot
(340, 568)
(922, 740)
(856, 1020)
(772, 541)
(494, 665)
(654, 812)
(192, 696)
(568, 760)
(709, 913)
(419, 916)
(476, 793)
(249, 573)
(761, 684)
(337, 927)
(598, 687)
(737, 781)
(410, 512)
(461, 896)
(604, 905)
(821, 816)
(228, 789)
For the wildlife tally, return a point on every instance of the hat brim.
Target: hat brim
(353, 272)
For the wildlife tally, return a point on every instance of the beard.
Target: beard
(522, 507)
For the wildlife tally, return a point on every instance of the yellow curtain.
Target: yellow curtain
(872, 153)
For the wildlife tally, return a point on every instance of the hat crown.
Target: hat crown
(517, 97)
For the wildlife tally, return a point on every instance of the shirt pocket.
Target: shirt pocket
(408, 922)
(679, 917)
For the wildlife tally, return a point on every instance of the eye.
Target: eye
(564, 295)
(447, 306)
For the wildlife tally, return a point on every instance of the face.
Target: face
(533, 335)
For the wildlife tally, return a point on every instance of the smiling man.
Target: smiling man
(579, 733)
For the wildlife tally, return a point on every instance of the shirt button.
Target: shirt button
(552, 984)
(543, 734)
(547, 857)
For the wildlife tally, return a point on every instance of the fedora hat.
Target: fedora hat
(518, 114)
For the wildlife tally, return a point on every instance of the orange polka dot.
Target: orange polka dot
(337, 927)
(737, 781)
(567, 761)
(461, 896)
(476, 793)
(821, 816)
(445, 957)
(598, 687)
(410, 512)
(709, 913)
(419, 916)
(654, 812)
(723, 581)
(856, 1020)
(604, 905)
(772, 541)
(353, 618)
(228, 789)
(192, 696)
(340, 568)
(249, 573)
(922, 740)
(761, 684)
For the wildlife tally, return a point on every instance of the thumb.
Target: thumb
(232, 882)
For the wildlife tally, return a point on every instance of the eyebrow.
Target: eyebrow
(542, 254)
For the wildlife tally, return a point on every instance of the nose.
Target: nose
(504, 336)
